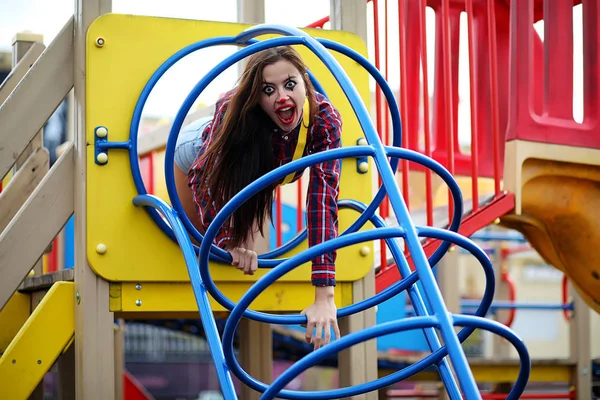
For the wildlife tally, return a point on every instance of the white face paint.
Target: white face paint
(283, 94)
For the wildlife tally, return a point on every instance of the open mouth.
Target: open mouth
(286, 114)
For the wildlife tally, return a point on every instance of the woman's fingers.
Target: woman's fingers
(336, 329)
(243, 260)
(310, 326)
(235, 257)
(327, 334)
(253, 262)
(319, 335)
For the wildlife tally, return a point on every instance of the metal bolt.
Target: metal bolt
(138, 303)
(362, 142)
(138, 286)
(102, 158)
(364, 251)
(100, 41)
(39, 362)
(78, 297)
(14, 361)
(101, 132)
(363, 166)
(101, 248)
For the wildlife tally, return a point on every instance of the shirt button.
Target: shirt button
(275, 130)
(285, 137)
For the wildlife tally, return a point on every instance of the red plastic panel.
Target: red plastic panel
(541, 83)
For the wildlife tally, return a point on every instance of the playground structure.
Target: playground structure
(143, 290)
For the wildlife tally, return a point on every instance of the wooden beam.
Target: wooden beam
(35, 225)
(44, 282)
(20, 70)
(45, 85)
(22, 184)
(94, 331)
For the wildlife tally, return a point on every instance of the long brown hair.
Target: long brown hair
(242, 150)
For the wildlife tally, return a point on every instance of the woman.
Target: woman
(273, 116)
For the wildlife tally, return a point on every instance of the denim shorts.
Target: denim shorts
(189, 142)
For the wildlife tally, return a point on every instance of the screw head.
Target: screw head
(362, 142)
(364, 251)
(138, 303)
(39, 362)
(101, 131)
(363, 166)
(100, 41)
(138, 286)
(102, 158)
(101, 248)
(78, 297)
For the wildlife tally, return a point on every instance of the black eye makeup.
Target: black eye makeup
(268, 90)
(290, 84)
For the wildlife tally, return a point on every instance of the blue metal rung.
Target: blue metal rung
(177, 227)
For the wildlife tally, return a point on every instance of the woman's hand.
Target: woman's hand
(245, 260)
(322, 315)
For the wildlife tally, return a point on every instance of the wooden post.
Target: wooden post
(580, 346)
(358, 364)
(256, 354)
(251, 11)
(119, 359)
(447, 276)
(94, 324)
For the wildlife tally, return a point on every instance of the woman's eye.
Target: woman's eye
(268, 90)
(290, 84)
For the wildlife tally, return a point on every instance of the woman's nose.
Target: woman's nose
(283, 99)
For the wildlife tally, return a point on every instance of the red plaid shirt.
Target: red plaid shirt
(323, 187)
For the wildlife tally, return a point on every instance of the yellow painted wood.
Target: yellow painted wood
(12, 318)
(38, 344)
(179, 297)
(134, 47)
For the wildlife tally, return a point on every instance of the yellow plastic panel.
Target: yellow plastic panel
(12, 317)
(165, 297)
(134, 47)
(38, 344)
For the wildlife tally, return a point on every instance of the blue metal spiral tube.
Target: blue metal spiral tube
(386, 160)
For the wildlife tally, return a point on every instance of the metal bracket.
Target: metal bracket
(102, 145)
